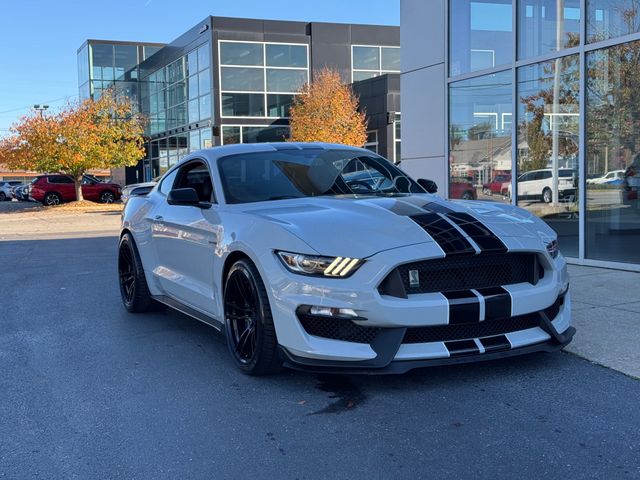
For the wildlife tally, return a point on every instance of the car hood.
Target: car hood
(360, 226)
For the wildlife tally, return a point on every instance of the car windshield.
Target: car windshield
(257, 177)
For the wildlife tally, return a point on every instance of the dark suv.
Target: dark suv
(54, 189)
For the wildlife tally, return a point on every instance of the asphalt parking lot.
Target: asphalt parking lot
(90, 391)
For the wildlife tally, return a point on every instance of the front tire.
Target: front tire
(107, 197)
(546, 195)
(251, 335)
(467, 195)
(134, 290)
(3, 196)
(51, 199)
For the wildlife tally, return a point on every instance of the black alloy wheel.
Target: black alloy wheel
(249, 326)
(3, 196)
(134, 290)
(107, 197)
(52, 198)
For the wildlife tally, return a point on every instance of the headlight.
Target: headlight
(553, 248)
(319, 266)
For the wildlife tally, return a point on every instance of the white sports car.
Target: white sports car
(329, 258)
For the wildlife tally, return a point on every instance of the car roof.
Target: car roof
(214, 153)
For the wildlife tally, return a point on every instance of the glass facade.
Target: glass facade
(480, 137)
(260, 80)
(254, 133)
(480, 35)
(613, 153)
(372, 61)
(179, 93)
(574, 144)
(547, 26)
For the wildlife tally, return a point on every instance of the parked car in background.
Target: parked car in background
(136, 189)
(20, 193)
(55, 189)
(5, 189)
(462, 187)
(538, 184)
(613, 177)
(497, 185)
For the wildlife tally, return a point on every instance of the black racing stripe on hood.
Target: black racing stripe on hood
(436, 207)
(444, 234)
(478, 232)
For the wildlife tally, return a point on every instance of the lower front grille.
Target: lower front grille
(488, 328)
(337, 329)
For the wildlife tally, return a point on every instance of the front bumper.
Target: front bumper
(388, 350)
(393, 356)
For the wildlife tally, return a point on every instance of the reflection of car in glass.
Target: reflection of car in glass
(613, 177)
(497, 185)
(461, 187)
(631, 185)
(327, 257)
(538, 184)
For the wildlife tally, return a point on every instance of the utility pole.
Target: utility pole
(40, 109)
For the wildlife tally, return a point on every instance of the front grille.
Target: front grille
(463, 273)
(337, 328)
(444, 333)
(488, 328)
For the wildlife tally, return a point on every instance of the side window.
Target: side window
(546, 175)
(167, 182)
(196, 175)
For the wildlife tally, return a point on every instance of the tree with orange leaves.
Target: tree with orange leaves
(327, 111)
(105, 133)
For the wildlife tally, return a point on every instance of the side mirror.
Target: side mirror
(429, 185)
(185, 197)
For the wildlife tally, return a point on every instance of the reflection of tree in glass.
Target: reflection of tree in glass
(622, 19)
(613, 106)
(534, 128)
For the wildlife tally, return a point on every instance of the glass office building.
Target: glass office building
(230, 80)
(539, 108)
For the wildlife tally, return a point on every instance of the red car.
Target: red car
(461, 187)
(54, 189)
(496, 185)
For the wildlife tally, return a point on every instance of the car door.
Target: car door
(523, 185)
(185, 238)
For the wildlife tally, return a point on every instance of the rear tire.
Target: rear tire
(546, 195)
(134, 290)
(467, 195)
(51, 199)
(3, 196)
(251, 335)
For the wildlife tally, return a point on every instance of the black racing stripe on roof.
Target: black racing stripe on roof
(478, 232)
(444, 234)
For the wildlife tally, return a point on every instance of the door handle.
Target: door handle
(158, 217)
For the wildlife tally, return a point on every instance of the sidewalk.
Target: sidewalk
(606, 314)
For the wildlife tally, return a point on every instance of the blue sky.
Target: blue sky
(39, 38)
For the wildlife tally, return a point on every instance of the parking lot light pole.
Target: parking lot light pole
(40, 109)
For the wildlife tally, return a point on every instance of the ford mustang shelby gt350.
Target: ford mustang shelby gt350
(330, 258)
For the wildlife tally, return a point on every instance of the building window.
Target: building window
(254, 133)
(613, 154)
(480, 33)
(611, 18)
(372, 141)
(548, 142)
(546, 26)
(480, 137)
(179, 93)
(261, 79)
(369, 61)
